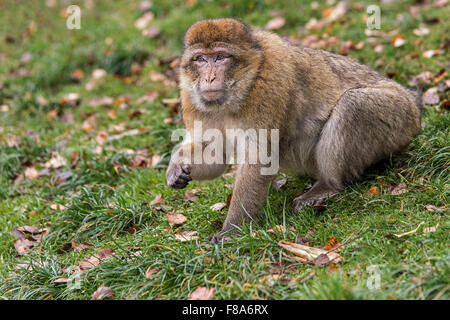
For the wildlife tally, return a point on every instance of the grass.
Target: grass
(107, 201)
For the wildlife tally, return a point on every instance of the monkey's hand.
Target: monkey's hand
(178, 175)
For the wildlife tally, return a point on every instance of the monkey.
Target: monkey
(335, 116)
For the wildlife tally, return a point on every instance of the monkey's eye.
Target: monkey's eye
(220, 57)
(199, 58)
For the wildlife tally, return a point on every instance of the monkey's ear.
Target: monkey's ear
(208, 31)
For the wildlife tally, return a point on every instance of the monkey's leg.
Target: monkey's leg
(366, 125)
(249, 195)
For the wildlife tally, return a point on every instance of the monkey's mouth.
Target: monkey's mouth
(213, 95)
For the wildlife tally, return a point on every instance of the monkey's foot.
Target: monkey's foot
(218, 238)
(301, 203)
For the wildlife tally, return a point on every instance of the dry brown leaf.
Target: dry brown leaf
(91, 261)
(144, 21)
(279, 228)
(53, 114)
(148, 97)
(374, 190)
(431, 53)
(191, 195)
(23, 246)
(151, 32)
(70, 99)
(310, 254)
(150, 272)
(56, 161)
(156, 76)
(61, 280)
(77, 75)
(57, 207)
(90, 123)
(101, 137)
(31, 173)
(400, 189)
(186, 236)
(275, 23)
(332, 242)
(201, 293)
(159, 199)
(218, 206)
(102, 292)
(176, 218)
(430, 96)
(398, 40)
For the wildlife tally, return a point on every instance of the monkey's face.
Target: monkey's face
(212, 68)
(219, 64)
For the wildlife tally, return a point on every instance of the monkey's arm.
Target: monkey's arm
(248, 198)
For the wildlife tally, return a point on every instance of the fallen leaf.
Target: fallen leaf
(144, 21)
(61, 280)
(23, 246)
(70, 99)
(424, 77)
(176, 218)
(400, 189)
(56, 161)
(421, 31)
(101, 137)
(310, 254)
(57, 207)
(156, 76)
(148, 97)
(150, 272)
(430, 96)
(186, 236)
(190, 195)
(275, 23)
(374, 190)
(279, 228)
(102, 292)
(31, 173)
(53, 114)
(398, 40)
(201, 293)
(151, 32)
(77, 75)
(91, 261)
(218, 206)
(332, 242)
(431, 53)
(159, 199)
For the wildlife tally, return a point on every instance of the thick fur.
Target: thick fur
(336, 116)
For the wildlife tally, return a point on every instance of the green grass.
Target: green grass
(104, 196)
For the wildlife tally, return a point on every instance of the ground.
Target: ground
(89, 170)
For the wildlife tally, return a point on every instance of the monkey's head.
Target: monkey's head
(220, 62)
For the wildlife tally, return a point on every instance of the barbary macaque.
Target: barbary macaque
(334, 116)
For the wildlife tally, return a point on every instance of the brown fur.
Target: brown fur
(336, 116)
